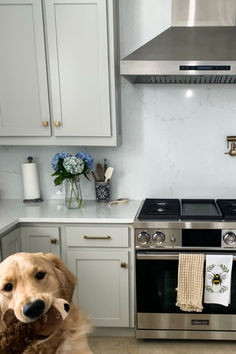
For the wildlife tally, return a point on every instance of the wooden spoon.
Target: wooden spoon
(100, 172)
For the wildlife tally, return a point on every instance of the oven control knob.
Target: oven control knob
(143, 237)
(158, 237)
(172, 239)
(229, 238)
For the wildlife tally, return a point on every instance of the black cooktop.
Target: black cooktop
(188, 209)
(228, 208)
(160, 209)
(200, 209)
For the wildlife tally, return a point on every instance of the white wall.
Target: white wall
(174, 137)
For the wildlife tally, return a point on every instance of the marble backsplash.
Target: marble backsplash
(174, 137)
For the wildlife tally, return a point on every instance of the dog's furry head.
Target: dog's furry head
(27, 277)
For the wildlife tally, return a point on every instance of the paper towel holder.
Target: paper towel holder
(30, 159)
(32, 200)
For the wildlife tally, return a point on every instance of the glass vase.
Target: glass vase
(73, 195)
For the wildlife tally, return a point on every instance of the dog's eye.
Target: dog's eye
(40, 275)
(8, 287)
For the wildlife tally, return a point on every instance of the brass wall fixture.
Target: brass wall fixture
(231, 144)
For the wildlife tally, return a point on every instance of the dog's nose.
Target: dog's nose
(67, 307)
(34, 309)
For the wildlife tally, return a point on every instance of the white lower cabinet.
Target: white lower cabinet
(102, 292)
(101, 258)
(10, 243)
(40, 239)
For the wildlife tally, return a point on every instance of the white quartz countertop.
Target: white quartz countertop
(14, 211)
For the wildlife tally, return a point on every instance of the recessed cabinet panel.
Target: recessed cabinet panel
(78, 60)
(24, 107)
(102, 291)
(40, 239)
(10, 243)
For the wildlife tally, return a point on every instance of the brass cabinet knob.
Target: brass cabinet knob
(123, 265)
(57, 124)
(53, 241)
(45, 123)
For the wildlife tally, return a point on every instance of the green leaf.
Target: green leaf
(87, 177)
(57, 173)
(60, 165)
(58, 180)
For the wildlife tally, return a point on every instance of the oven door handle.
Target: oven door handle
(165, 256)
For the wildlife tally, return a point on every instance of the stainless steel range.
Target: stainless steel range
(164, 228)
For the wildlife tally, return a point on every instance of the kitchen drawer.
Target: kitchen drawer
(97, 236)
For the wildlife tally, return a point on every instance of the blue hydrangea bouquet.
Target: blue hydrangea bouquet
(70, 168)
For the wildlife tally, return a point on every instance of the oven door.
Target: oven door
(156, 283)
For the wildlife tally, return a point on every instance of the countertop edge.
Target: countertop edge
(13, 214)
(77, 220)
(8, 226)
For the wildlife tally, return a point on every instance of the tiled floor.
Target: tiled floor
(124, 345)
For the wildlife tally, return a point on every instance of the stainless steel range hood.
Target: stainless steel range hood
(199, 47)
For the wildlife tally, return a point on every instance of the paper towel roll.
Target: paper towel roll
(30, 180)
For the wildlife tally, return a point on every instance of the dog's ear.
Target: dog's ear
(9, 317)
(65, 277)
(2, 324)
(3, 309)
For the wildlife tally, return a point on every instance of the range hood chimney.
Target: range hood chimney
(198, 48)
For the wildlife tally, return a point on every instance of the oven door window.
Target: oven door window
(156, 283)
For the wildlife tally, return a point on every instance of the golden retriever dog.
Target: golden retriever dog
(29, 283)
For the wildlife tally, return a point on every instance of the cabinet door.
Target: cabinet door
(102, 291)
(24, 108)
(78, 62)
(10, 243)
(40, 239)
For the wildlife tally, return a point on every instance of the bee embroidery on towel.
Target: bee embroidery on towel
(216, 278)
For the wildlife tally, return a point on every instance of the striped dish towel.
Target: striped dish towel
(190, 282)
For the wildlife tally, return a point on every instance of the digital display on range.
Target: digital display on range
(201, 238)
(204, 67)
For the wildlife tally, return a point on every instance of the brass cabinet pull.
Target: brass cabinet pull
(97, 237)
(53, 241)
(57, 124)
(123, 265)
(45, 123)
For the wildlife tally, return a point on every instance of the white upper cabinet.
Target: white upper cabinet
(23, 81)
(81, 53)
(78, 62)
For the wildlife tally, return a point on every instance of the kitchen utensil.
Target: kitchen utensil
(105, 165)
(118, 201)
(108, 173)
(95, 177)
(100, 172)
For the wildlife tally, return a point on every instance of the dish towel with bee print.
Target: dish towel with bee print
(190, 282)
(218, 279)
